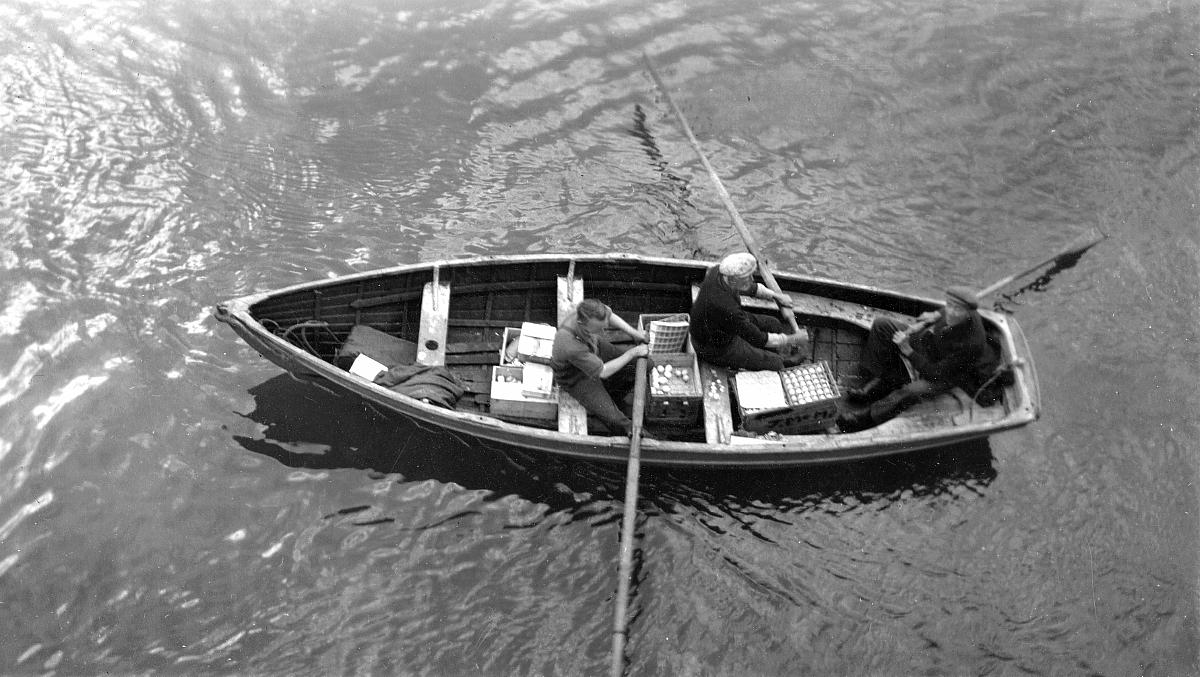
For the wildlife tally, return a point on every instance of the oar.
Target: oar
(1081, 245)
(621, 616)
(747, 238)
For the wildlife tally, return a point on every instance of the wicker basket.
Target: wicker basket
(667, 333)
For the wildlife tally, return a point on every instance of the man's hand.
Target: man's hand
(638, 336)
(929, 316)
(900, 338)
(640, 350)
(781, 340)
(784, 300)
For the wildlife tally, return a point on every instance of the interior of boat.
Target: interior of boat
(464, 319)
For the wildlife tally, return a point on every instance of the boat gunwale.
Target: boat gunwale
(249, 300)
(791, 451)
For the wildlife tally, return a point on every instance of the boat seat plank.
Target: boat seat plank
(718, 416)
(569, 294)
(714, 383)
(435, 316)
(572, 417)
(807, 304)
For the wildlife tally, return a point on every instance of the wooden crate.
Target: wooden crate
(509, 402)
(808, 404)
(531, 342)
(675, 399)
(508, 346)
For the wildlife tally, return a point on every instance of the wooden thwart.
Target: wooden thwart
(718, 415)
(807, 304)
(572, 417)
(435, 319)
(714, 383)
(570, 293)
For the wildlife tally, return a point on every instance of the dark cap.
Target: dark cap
(964, 295)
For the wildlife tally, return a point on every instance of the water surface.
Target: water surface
(170, 502)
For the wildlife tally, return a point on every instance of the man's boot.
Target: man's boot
(854, 421)
(868, 392)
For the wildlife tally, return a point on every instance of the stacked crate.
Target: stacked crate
(673, 377)
(801, 399)
(523, 389)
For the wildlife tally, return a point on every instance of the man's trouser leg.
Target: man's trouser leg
(881, 357)
(904, 397)
(590, 393)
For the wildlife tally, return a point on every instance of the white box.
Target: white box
(760, 390)
(508, 401)
(366, 367)
(537, 380)
(536, 343)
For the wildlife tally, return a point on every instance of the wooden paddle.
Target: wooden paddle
(1083, 243)
(1080, 245)
(747, 238)
(621, 616)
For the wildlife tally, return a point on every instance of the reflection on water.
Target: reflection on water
(302, 426)
(672, 192)
(957, 471)
(1053, 269)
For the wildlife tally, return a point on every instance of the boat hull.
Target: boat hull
(844, 304)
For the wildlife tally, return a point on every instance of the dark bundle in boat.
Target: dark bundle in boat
(453, 320)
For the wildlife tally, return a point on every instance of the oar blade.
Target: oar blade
(1064, 259)
(1083, 243)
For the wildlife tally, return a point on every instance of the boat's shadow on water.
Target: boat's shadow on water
(306, 426)
(313, 427)
(957, 471)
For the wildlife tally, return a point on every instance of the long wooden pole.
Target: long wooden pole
(1080, 245)
(621, 615)
(747, 238)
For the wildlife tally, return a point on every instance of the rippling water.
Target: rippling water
(171, 503)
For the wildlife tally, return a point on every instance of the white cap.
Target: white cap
(740, 264)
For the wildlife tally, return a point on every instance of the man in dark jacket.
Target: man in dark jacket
(724, 334)
(947, 349)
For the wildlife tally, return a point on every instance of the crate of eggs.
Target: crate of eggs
(797, 400)
(674, 389)
(809, 383)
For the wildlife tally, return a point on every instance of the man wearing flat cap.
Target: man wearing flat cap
(724, 334)
(946, 348)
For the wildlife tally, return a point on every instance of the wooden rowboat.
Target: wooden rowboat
(455, 314)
